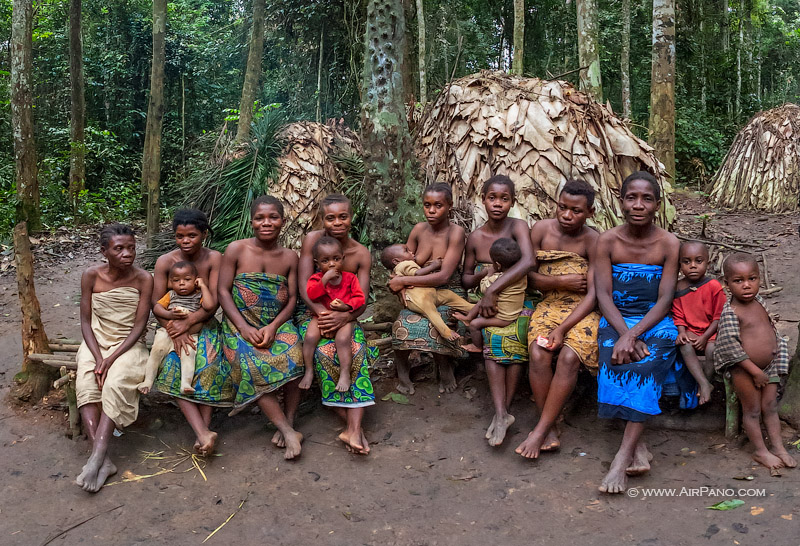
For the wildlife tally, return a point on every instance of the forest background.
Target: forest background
(733, 59)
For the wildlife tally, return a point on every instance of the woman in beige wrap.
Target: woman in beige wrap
(115, 305)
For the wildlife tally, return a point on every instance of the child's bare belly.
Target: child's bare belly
(758, 341)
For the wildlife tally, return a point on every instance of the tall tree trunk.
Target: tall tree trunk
(662, 84)
(26, 170)
(77, 164)
(252, 73)
(703, 77)
(588, 48)
(519, 37)
(423, 81)
(737, 108)
(35, 377)
(151, 159)
(388, 159)
(318, 117)
(625, 62)
(725, 27)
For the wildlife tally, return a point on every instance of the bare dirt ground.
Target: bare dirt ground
(431, 478)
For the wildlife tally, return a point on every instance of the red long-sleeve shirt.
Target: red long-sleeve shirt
(349, 291)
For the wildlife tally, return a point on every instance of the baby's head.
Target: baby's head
(394, 254)
(742, 276)
(693, 259)
(328, 254)
(183, 278)
(504, 253)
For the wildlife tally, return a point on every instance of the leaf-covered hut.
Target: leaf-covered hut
(762, 168)
(540, 133)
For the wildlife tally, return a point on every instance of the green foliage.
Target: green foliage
(700, 145)
(224, 190)
(352, 167)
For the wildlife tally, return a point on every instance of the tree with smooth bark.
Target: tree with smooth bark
(662, 84)
(625, 56)
(252, 73)
(26, 170)
(589, 48)
(517, 64)
(77, 163)
(151, 158)
(423, 80)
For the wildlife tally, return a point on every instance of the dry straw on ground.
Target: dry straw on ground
(307, 172)
(762, 168)
(540, 133)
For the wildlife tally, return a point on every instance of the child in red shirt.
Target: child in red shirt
(337, 290)
(696, 310)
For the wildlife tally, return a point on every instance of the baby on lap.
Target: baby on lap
(421, 299)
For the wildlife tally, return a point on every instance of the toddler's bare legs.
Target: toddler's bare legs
(344, 350)
(696, 369)
(310, 342)
(769, 414)
(187, 357)
(503, 382)
(753, 401)
(404, 384)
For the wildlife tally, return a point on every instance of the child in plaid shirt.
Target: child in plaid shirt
(749, 347)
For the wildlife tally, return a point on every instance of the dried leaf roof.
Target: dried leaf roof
(539, 133)
(762, 168)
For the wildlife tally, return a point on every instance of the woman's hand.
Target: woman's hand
(555, 340)
(177, 327)
(396, 284)
(487, 307)
(628, 349)
(252, 335)
(267, 334)
(101, 370)
(330, 321)
(183, 343)
(574, 283)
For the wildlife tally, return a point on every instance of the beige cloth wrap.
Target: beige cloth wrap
(113, 315)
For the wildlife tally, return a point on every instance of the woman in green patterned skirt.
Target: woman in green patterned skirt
(349, 405)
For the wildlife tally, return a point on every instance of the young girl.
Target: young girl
(212, 374)
(115, 306)
(429, 240)
(348, 405)
(505, 349)
(258, 292)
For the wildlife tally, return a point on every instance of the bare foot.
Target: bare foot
(616, 481)
(197, 445)
(293, 440)
(447, 379)
(500, 428)
(704, 392)
(454, 336)
(207, 443)
(405, 387)
(305, 383)
(278, 440)
(344, 384)
(641, 461)
(461, 317)
(551, 441)
(187, 390)
(353, 442)
(364, 443)
(490, 430)
(95, 473)
(471, 348)
(784, 456)
(531, 446)
(767, 459)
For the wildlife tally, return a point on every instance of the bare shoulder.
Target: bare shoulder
(418, 229)
(142, 276)
(517, 225)
(612, 234)
(311, 238)
(664, 237)
(457, 233)
(165, 261)
(214, 257)
(90, 273)
(290, 256)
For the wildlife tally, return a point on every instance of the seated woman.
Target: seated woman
(349, 405)
(436, 238)
(213, 386)
(505, 349)
(258, 292)
(635, 277)
(115, 306)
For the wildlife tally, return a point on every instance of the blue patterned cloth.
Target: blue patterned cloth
(632, 391)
